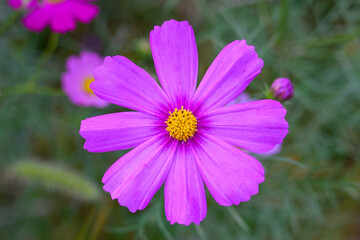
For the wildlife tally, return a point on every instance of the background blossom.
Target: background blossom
(60, 15)
(78, 77)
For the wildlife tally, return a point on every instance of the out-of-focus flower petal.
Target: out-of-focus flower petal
(36, 20)
(78, 71)
(61, 16)
(84, 12)
(15, 3)
(242, 98)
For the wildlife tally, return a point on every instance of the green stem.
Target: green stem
(267, 92)
(47, 54)
(100, 220)
(85, 228)
(50, 48)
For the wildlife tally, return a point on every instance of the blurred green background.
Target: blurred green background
(51, 188)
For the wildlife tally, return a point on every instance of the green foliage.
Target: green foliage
(312, 187)
(57, 178)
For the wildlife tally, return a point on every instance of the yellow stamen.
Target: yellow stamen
(54, 1)
(181, 124)
(87, 83)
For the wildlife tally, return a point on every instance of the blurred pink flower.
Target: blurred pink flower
(17, 4)
(77, 78)
(242, 98)
(60, 15)
(183, 136)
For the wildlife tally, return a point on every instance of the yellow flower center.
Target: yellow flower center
(54, 1)
(87, 83)
(181, 124)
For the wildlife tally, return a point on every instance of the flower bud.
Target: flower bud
(282, 89)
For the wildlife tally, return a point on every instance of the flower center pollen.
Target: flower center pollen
(181, 124)
(86, 85)
(54, 1)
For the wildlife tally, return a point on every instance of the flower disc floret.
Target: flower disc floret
(181, 124)
(87, 83)
(54, 1)
(78, 77)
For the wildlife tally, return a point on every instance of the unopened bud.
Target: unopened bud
(282, 89)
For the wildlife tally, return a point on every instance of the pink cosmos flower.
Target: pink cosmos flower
(77, 78)
(22, 4)
(16, 4)
(183, 136)
(60, 15)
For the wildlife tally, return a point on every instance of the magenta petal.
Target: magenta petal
(121, 82)
(176, 61)
(185, 200)
(227, 77)
(62, 20)
(231, 175)
(36, 20)
(84, 11)
(118, 131)
(135, 178)
(255, 126)
(15, 3)
(78, 69)
(61, 16)
(84, 64)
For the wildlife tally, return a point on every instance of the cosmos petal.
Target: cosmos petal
(84, 11)
(231, 175)
(227, 77)
(78, 70)
(15, 3)
(119, 131)
(176, 61)
(61, 16)
(83, 65)
(135, 178)
(255, 126)
(62, 21)
(185, 200)
(36, 20)
(121, 82)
